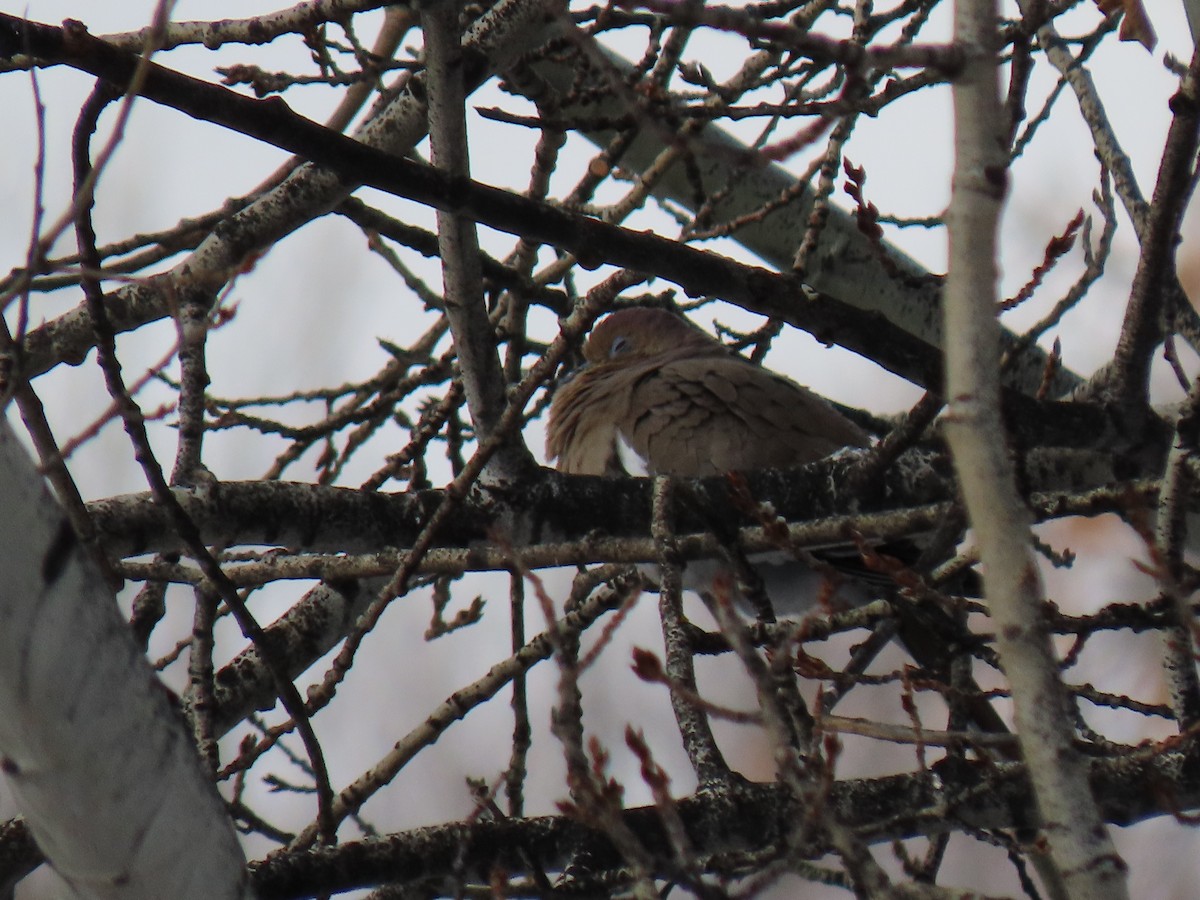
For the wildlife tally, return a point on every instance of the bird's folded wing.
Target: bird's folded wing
(715, 414)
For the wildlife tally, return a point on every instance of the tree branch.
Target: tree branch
(1083, 859)
(752, 817)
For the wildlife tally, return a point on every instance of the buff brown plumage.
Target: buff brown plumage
(659, 396)
(684, 405)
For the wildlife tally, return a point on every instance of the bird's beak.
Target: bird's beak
(574, 373)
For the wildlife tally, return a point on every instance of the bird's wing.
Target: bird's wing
(714, 414)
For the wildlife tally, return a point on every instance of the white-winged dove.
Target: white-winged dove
(659, 396)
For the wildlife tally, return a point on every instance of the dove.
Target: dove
(659, 396)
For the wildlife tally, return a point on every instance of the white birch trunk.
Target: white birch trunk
(100, 765)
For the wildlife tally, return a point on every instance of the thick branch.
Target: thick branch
(699, 273)
(546, 507)
(755, 817)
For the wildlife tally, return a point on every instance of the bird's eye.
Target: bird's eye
(620, 345)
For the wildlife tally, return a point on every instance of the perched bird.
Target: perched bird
(657, 387)
(659, 396)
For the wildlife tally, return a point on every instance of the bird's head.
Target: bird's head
(643, 331)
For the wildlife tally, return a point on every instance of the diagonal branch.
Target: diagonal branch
(869, 333)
